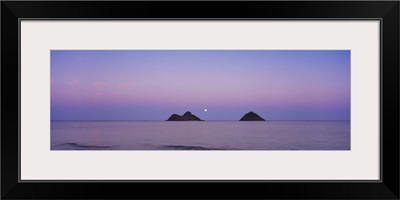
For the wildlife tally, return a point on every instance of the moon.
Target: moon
(205, 110)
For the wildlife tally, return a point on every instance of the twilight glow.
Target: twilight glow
(212, 84)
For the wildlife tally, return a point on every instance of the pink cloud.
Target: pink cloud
(73, 82)
(100, 95)
(99, 85)
(123, 86)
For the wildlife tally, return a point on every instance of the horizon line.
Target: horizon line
(202, 120)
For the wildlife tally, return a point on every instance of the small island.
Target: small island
(251, 116)
(188, 116)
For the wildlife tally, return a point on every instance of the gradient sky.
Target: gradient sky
(153, 84)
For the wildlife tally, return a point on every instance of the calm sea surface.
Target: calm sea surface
(200, 135)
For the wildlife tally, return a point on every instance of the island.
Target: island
(188, 116)
(251, 116)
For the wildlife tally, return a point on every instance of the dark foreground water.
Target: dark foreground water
(200, 135)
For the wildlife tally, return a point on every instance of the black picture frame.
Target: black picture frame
(386, 11)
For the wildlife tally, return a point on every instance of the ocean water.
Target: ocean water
(200, 135)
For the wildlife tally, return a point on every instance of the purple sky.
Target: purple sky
(153, 84)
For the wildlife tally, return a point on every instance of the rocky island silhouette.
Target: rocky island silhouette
(188, 116)
(251, 116)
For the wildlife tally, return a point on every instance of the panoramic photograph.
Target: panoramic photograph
(107, 100)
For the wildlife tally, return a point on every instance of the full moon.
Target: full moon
(205, 110)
